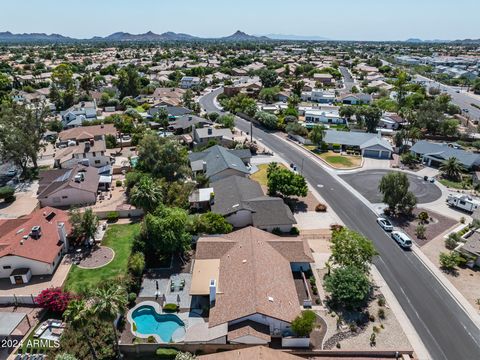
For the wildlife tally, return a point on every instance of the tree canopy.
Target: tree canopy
(394, 187)
(285, 182)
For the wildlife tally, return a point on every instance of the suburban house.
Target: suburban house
(172, 111)
(247, 277)
(186, 123)
(242, 202)
(84, 133)
(370, 145)
(189, 81)
(323, 117)
(217, 162)
(318, 95)
(356, 99)
(324, 78)
(201, 136)
(169, 96)
(70, 187)
(434, 154)
(79, 113)
(471, 248)
(93, 152)
(33, 244)
(392, 121)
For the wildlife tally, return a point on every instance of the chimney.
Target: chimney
(62, 234)
(209, 131)
(190, 118)
(204, 166)
(213, 291)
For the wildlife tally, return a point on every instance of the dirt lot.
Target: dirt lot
(354, 332)
(464, 279)
(436, 225)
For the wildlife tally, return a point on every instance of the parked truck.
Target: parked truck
(463, 202)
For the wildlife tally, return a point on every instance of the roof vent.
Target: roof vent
(270, 299)
(244, 261)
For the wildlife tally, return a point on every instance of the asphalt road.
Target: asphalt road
(366, 183)
(347, 78)
(461, 99)
(445, 329)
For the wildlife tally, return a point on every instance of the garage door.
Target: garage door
(379, 154)
(371, 153)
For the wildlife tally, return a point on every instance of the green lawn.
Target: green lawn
(120, 239)
(261, 174)
(341, 161)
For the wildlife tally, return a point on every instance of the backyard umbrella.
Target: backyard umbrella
(178, 299)
(156, 283)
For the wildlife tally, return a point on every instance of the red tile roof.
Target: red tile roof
(46, 248)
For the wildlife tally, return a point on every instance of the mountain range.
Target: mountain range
(8, 37)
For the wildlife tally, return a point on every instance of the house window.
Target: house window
(6, 267)
(94, 155)
(64, 197)
(97, 161)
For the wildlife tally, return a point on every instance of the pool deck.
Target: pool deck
(195, 330)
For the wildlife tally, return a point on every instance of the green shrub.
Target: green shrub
(381, 301)
(294, 231)
(166, 353)
(277, 231)
(118, 183)
(449, 261)
(151, 340)
(381, 313)
(6, 192)
(420, 231)
(312, 280)
(170, 307)
(10, 199)
(113, 216)
(423, 216)
(303, 324)
(132, 297)
(451, 241)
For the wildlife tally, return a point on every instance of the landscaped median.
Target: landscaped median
(120, 239)
(337, 160)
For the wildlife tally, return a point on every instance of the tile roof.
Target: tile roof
(46, 248)
(251, 353)
(248, 328)
(87, 132)
(254, 276)
(55, 180)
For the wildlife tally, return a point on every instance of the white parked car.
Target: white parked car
(385, 224)
(402, 239)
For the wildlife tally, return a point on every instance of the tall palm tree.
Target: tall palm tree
(414, 134)
(77, 314)
(146, 194)
(452, 168)
(109, 303)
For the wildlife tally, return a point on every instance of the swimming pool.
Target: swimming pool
(149, 322)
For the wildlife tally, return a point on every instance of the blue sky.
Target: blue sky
(334, 19)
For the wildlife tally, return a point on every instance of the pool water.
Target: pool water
(148, 322)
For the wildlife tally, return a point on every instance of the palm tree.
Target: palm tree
(109, 303)
(452, 168)
(146, 194)
(77, 314)
(414, 134)
(317, 134)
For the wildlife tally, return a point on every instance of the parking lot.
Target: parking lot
(366, 183)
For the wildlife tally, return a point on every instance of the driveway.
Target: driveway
(366, 183)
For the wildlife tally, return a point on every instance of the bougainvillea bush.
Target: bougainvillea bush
(54, 299)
